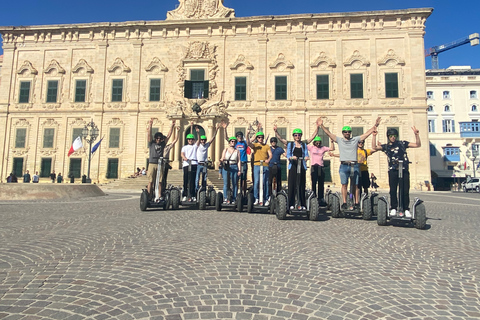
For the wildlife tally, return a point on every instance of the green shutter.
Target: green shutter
(45, 167)
(240, 88)
(155, 89)
(206, 87)
(18, 167)
(114, 141)
(75, 167)
(20, 138)
(391, 85)
(117, 90)
(24, 95)
(323, 88)
(357, 131)
(188, 89)
(80, 90)
(280, 88)
(112, 169)
(48, 136)
(52, 91)
(356, 86)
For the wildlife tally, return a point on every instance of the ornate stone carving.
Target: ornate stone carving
(393, 120)
(118, 64)
(20, 152)
(54, 65)
(200, 9)
(79, 106)
(281, 63)
(82, 64)
(22, 123)
(155, 66)
(115, 152)
(49, 123)
(24, 106)
(280, 121)
(200, 50)
(323, 62)
(115, 122)
(391, 59)
(241, 63)
(48, 152)
(78, 122)
(27, 66)
(357, 120)
(356, 60)
(240, 121)
(117, 105)
(393, 102)
(51, 106)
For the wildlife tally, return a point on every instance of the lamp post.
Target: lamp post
(90, 134)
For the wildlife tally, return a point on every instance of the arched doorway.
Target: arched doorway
(187, 132)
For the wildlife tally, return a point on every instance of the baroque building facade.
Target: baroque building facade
(348, 68)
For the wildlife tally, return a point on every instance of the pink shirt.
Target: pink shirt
(316, 154)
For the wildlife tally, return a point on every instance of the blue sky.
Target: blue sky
(451, 20)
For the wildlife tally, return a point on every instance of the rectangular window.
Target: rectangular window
(446, 94)
(429, 94)
(80, 90)
(357, 131)
(280, 88)
(391, 85)
(431, 125)
(473, 94)
(20, 138)
(323, 87)
(325, 138)
(155, 89)
(117, 90)
(114, 141)
(18, 167)
(48, 135)
(196, 87)
(52, 91)
(433, 150)
(112, 169)
(77, 132)
(448, 125)
(356, 86)
(45, 167)
(24, 95)
(240, 88)
(76, 167)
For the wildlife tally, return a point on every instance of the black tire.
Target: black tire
(175, 199)
(212, 197)
(335, 207)
(367, 209)
(329, 201)
(375, 204)
(382, 213)
(202, 200)
(314, 209)
(477, 189)
(166, 204)
(219, 201)
(144, 201)
(239, 202)
(281, 207)
(465, 189)
(250, 201)
(420, 216)
(271, 209)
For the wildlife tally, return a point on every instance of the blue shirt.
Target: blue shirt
(276, 154)
(242, 147)
(290, 147)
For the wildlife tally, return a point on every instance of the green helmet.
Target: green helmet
(347, 128)
(203, 137)
(297, 131)
(232, 138)
(317, 138)
(190, 136)
(259, 133)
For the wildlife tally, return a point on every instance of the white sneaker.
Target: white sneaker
(393, 213)
(408, 214)
(184, 199)
(292, 207)
(303, 208)
(267, 203)
(256, 202)
(194, 199)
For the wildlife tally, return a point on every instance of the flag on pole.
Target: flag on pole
(77, 144)
(465, 165)
(95, 147)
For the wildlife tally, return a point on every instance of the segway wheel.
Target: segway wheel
(144, 201)
(211, 197)
(250, 202)
(219, 201)
(175, 199)
(335, 207)
(382, 213)
(202, 200)
(239, 202)
(314, 209)
(281, 207)
(166, 204)
(374, 204)
(420, 216)
(272, 205)
(329, 201)
(367, 209)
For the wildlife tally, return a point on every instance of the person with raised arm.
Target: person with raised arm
(189, 157)
(241, 146)
(202, 154)
(261, 152)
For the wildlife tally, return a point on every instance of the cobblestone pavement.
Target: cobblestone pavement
(102, 258)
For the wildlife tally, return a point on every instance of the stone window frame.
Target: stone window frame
(53, 72)
(247, 86)
(279, 68)
(82, 71)
(118, 70)
(356, 64)
(323, 65)
(112, 79)
(20, 124)
(391, 63)
(289, 90)
(48, 123)
(155, 70)
(242, 68)
(115, 123)
(205, 66)
(26, 73)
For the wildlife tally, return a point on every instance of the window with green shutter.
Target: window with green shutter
(45, 167)
(20, 137)
(391, 85)
(117, 90)
(77, 132)
(356, 86)
(324, 136)
(280, 88)
(114, 141)
(357, 131)
(240, 88)
(24, 95)
(323, 88)
(80, 90)
(197, 87)
(155, 89)
(52, 91)
(48, 136)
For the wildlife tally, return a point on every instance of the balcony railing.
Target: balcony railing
(451, 154)
(470, 129)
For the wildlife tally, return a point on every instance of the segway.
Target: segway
(419, 214)
(273, 172)
(205, 194)
(312, 209)
(365, 209)
(156, 200)
(229, 204)
(251, 207)
(190, 202)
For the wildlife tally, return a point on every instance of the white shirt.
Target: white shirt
(202, 152)
(190, 152)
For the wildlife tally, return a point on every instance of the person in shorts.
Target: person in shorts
(242, 147)
(202, 155)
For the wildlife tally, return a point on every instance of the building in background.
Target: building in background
(453, 124)
(204, 65)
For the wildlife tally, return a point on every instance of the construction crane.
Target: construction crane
(433, 52)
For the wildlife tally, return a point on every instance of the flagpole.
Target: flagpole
(90, 131)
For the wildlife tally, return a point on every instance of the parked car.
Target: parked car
(472, 184)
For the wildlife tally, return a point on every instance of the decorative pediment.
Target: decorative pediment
(156, 65)
(200, 9)
(82, 64)
(54, 65)
(323, 61)
(281, 61)
(198, 50)
(22, 123)
(50, 123)
(78, 122)
(241, 121)
(27, 66)
(281, 121)
(356, 60)
(391, 59)
(115, 122)
(357, 120)
(393, 120)
(241, 61)
(118, 64)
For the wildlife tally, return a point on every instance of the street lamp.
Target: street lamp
(90, 134)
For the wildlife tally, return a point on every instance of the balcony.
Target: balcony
(451, 154)
(470, 129)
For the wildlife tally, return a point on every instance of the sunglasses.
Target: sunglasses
(361, 143)
(392, 135)
(190, 139)
(260, 137)
(297, 135)
(234, 141)
(346, 131)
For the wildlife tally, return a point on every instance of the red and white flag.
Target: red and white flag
(465, 165)
(77, 144)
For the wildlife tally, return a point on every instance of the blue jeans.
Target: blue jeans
(256, 185)
(233, 172)
(197, 179)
